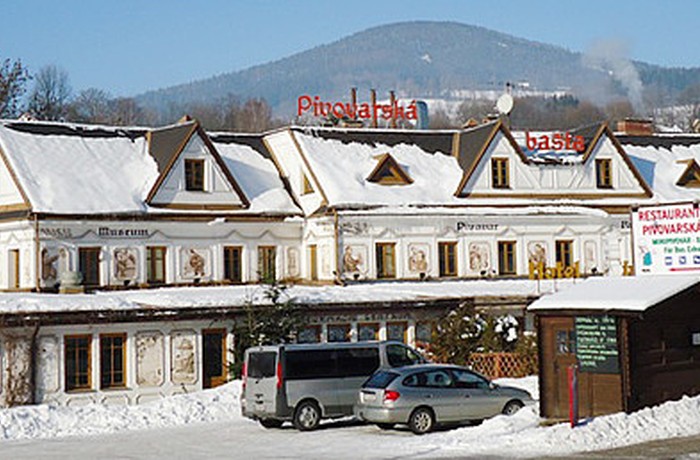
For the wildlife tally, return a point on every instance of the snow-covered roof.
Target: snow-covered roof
(343, 168)
(662, 165)
(258, 177)
(236, 296)
(629, 293)
(83, 169)
(62, 173)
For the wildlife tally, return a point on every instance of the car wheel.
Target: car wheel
(421, 420)
(385, 426)
(307, 416)
(512, 407)
(270, 422)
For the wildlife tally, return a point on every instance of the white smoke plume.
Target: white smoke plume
(610, 57)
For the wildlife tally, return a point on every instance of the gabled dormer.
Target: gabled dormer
(691, 175)
(193, 175)
(388, 172)
(491, 160)
(495, 165)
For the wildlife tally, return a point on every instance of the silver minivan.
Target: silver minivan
(304, 383)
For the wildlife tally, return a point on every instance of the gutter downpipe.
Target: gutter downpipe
(37, 255)
(34, 361)
(336, 236)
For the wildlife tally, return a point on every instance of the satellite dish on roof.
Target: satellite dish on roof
(504, 104)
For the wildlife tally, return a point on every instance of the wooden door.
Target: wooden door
(214, 357)
(313, 264)
(558, 353)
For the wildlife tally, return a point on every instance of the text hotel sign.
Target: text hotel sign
(666, 239)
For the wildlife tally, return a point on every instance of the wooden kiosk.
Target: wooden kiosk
(635, 340)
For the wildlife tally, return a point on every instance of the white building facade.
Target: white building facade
(86, 208)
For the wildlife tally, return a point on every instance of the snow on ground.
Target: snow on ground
(47, 421)
(209, 423)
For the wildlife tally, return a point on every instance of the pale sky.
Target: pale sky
(129, 46)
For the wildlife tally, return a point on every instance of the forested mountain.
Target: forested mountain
(425, 60)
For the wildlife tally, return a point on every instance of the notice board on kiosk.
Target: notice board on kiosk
(596, 344)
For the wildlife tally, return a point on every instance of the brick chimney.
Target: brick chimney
(636, 126)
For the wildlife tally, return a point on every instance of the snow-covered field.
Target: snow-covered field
(209, 425)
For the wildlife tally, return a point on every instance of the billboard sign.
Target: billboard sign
(666, 239)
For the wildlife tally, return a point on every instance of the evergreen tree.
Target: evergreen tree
(275, 322)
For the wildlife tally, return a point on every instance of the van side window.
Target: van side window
(399, 355)
(261, 364)
(357, 362)
(310, 364)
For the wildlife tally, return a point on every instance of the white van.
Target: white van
(305, 383)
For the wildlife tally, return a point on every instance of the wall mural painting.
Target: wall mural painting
(325, 260)
(182, 351)
(479, 258)
(149, 359)
(355, 261)
(126, 264)
(418, 256)
(49, 266)
(195, 263)
(18, 363)
(293, 270)
(590, 257)
(47, 375)
(537, 252)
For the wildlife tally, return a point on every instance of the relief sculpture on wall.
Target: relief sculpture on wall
(183, 357)
(49, 262)
(293, 263)
(537, 253)
(418, 258)
(125, 264)
(194, 263)
(149, 359)
(47, 370)
(479, 258)
(590, 259)
(354, 261)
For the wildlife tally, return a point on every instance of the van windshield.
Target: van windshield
(261, 364)
(399, 355)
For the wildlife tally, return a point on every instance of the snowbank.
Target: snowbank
(46, 421)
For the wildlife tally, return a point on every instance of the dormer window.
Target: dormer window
(499, 173)
(603, 173)
(389, 172)
(306, 187)
(691, 175)
(194, 175)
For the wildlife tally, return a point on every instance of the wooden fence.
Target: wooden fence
(497, 365)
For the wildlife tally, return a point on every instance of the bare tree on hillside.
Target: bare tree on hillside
(127, 112)
(690, 97)
(91, 106)
(256, 116)
(51, 93)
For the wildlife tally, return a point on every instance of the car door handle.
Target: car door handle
(427, 396)
(467, 395)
